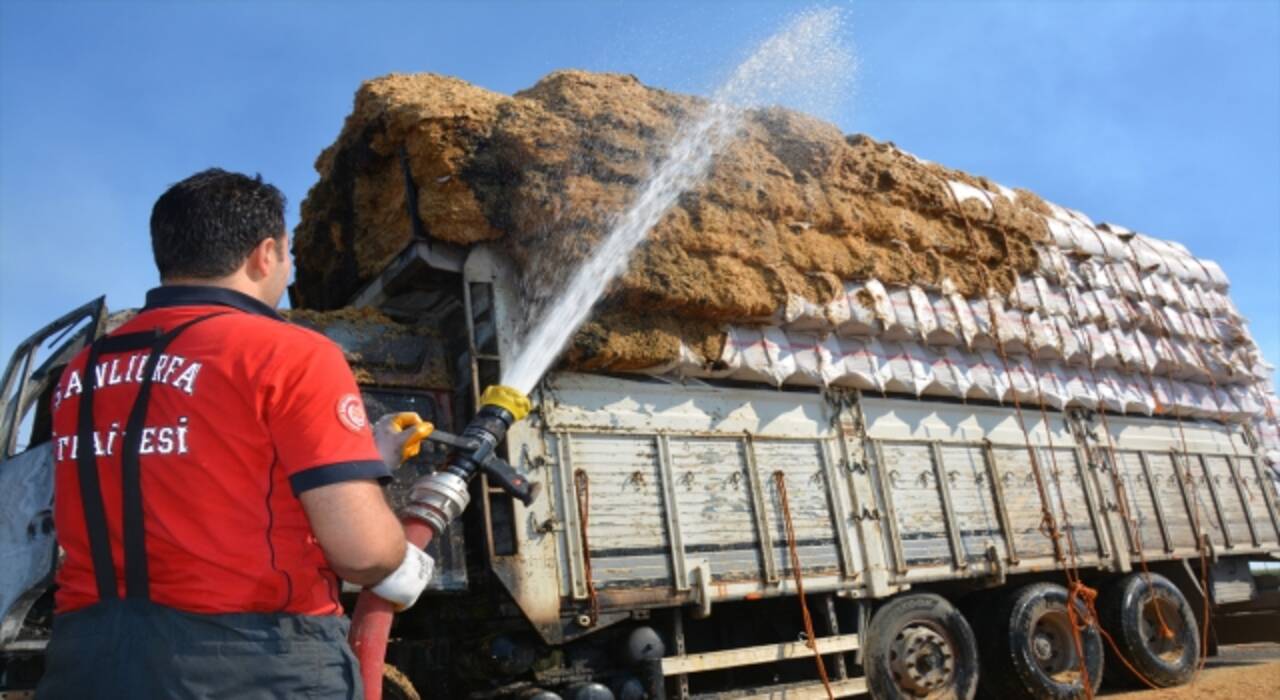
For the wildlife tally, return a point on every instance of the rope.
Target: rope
(780, 480)
(1163, 334)
(581, 487)
(1075, 587)
(1078, 591)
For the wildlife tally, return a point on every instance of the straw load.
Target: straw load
(806, 257)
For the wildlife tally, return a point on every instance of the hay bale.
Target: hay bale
(790, 210)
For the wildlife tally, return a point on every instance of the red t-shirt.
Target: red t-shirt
(247, 411)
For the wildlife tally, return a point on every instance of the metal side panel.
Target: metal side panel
(803, 468)
(683, 502)
(1231, 582)
(963, 485)
(917, 502)
(977, 515)
(713, 497)
(1172, 500)
(626, 521)
(1205, 509)
(27, 545)
(1218, 478)
(586, 402)
(1270, 478)
(1069, 501)
(1219, 472)
(1014, 468)
(1258, 490)
(1142, 505)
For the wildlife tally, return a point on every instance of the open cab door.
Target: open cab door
(28, 548)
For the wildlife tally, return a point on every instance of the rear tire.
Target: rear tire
(920, 646)
(1028, 652)
(1130, 611)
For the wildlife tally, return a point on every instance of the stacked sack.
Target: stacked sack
(1112, 320)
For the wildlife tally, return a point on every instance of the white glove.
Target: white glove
(402, 587)
(399, 436)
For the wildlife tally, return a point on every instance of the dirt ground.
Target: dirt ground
(1240, 672)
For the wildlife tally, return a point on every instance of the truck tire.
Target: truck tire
(1027, 647)
(1130, 610)
(920, 646)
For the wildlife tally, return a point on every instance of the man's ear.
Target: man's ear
(258, 265)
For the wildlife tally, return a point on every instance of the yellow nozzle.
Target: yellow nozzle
(516, 403)
(421, 429)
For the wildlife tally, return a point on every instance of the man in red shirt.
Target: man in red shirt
(215, 475)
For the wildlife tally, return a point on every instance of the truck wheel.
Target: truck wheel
(1131, 611)
(919, 646)
(1028, 650)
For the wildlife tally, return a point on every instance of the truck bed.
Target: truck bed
(677, 487)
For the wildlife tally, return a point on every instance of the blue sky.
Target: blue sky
(1161, 116)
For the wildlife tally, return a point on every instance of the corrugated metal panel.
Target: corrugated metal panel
(801, 463)
(1142, 509)
(1228, 488)
(713, 495)
(1258, 507)
(627, 529)
(1013, 468)
(1067, 501)
(971, 497)
(1172, 502)
(913, 485)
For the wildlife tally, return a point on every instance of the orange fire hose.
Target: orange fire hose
(371, 620)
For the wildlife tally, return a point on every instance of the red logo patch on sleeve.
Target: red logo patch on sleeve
(351, 413)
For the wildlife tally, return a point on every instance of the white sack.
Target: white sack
(801, 314)
(860, 362)
(806, 352)
(947, 331)
(1043, 339)
(868, 306)
(1102, 347)
(987, 378)
(906, 368)
(1074, 343)
(950, 373)
(964, 319)
(926, 322)
(1080, 388)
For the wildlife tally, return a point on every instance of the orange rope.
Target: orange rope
(582, 489)
(780, 480)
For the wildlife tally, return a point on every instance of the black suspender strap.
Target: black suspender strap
(137, 583)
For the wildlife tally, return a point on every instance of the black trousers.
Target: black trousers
(137, 649)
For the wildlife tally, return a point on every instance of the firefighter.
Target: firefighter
(215, 477)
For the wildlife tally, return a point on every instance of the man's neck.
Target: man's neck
(234, 283)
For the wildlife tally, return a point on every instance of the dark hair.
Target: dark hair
(206, 225)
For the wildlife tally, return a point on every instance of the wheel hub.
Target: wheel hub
(1053, 646)
(1161, 627)
(921, 659)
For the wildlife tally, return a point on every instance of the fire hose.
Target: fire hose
(436, 500)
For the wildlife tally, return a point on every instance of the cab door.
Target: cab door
(28, 547)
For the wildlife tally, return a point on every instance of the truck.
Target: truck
(716, 537)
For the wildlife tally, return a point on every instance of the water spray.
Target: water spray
(806, 62)
(807, 55)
